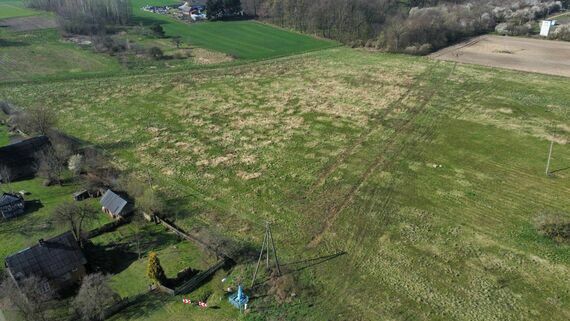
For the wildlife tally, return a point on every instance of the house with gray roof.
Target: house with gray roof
(59, 261)
(11, 205)
(115, 205)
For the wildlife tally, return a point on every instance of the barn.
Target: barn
(115, 205)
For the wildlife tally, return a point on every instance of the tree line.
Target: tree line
(414, 26)
(86, 16)
(219, 9)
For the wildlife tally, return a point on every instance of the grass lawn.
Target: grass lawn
(4, 137)
(41, 53)
(12, 9)
(241, 39)
(429, 175)
(36, 223)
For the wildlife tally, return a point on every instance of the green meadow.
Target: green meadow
(424, 177)
(240, 39)
(12, 9)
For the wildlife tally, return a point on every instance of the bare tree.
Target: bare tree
(75, 164)
(94, 297)
(6, 177)
(49, 166)
(73, 216)
(36, 120)
(151, 202)
(32, 296)
(137, 224)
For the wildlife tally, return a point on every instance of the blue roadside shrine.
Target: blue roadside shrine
(239, 299)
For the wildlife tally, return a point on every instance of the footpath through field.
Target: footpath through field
(400, 117)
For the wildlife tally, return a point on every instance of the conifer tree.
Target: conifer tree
(154, 270)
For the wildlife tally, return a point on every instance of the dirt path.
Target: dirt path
(347, 152)
(524, 54)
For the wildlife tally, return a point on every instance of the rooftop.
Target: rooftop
(50, 259)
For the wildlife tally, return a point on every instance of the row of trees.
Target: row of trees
(218, 9)
(415, 26)
(86, 16)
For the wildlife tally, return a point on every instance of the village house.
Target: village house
(118, 207)
(20, 159)
(195, 10)
(11, 205)
(59, 261)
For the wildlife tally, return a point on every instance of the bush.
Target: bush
(157, 30)
(155, 53)
(418, 49)
(109, 44)
(555, 226)
(561, 33)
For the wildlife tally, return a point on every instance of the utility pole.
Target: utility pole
(267, 242)
(549, 157)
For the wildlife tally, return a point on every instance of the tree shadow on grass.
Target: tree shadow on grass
(560, 170)
(10, 43)
(120, 145)
(109, 258)
(143, 305)
(32, 206)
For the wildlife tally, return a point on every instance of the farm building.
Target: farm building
(19, 158)
(59, 261)
(11, 205)
(115, 205)
(195, 10)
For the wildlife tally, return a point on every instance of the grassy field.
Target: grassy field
(4, 137)
(429, 175)
(12, 9)
(43, 54)
(40, 53)
(241, 39)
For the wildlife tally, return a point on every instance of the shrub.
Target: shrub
(561, 33)
(555, 226)
(154, 270)
(155, 53)
(157, 30)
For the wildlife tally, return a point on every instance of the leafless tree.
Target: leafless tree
(137, 224)
(31, 296)
(151, 202)
(95, 295)
(6, 177)
(73, 216)
(36, 120)
(49, 165)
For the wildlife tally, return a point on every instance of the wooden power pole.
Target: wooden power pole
(267, 243)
